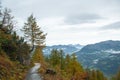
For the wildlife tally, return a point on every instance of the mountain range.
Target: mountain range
(104, 55)
(68, 49)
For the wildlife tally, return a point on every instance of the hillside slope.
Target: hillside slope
(104, 56)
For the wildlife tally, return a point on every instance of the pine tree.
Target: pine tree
(33, 33)
(7, 22)
(62, 60)
(55, 58)
(76, 67)
(96, 75)
(38, 55)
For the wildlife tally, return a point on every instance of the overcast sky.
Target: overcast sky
(71, 21)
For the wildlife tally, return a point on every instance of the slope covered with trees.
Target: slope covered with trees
(105, 53)
(14, 51)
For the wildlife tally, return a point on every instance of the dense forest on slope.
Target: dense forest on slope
(105, 53)
(14, 51)
(17, 55)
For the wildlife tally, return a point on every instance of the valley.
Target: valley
(104, 56)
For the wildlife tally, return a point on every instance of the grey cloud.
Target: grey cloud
(82, 18)
(114, 26)
(51, 8)
(45, 9)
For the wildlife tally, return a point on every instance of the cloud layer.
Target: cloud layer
(71, 21)
(82, 18)
(115, 26)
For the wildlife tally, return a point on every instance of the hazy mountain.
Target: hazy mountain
(68, 49)
(104, 56)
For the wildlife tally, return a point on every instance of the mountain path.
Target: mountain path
(33, 73)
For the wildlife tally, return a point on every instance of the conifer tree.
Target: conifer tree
(62, 61)
(33, 33)
(55, 57)
(96, 75)
(7, 22)
(38, 55)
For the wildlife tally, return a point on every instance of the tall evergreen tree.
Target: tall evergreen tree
(55, 58)
(7, 22)
(62, 60)
(96, 75)
(33, 33)
(38, 55)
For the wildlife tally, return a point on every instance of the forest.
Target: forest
(18, 54)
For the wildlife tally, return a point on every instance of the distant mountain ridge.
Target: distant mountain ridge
(68, 49)
(103, 55)
(105, 45)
